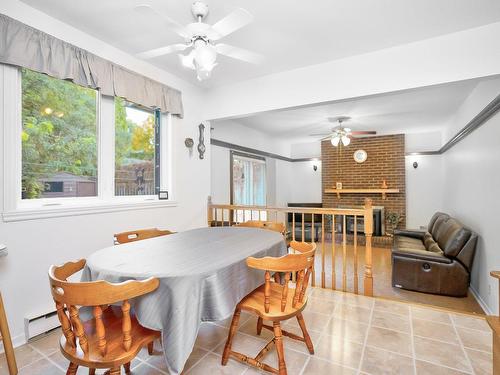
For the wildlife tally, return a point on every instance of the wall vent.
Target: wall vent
(38, 324)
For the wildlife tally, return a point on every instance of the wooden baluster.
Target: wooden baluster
(293, 226)
(126, 326)
(7, 340)
(356, 254)
(100, 330)
(209, 213)
(284, 293)
(303, 226)
(222, 217)
(267, 292)
(323, 273)
(344, 254)
(312, 240)
(368, 279)
(244, 215)
(334, 274)
(259, 215)
(65, 325)
(78, 328)
(215, 218)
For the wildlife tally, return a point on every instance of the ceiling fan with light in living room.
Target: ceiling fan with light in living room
(201, 38)
(341, 135)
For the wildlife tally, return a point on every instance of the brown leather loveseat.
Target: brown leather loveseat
(438, 261)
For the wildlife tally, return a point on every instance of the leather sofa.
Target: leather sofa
(437, 261)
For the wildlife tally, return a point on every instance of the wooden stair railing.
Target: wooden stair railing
(494, 322)
(7, 342)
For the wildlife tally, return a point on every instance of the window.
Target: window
(248, 180)
(135, 148)
(59, 138)
(77, 151)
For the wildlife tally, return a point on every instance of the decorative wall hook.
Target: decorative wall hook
(201, 144)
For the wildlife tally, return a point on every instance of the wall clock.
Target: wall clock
(360, 156)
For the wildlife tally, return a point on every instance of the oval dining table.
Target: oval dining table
(202, 273)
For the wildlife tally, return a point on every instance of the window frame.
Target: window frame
(248, 156)
(15, 208)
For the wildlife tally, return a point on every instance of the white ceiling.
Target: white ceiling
(414, 111)
(290, 34)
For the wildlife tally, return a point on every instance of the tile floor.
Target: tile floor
(351, 334)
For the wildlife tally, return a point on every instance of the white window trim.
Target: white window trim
(17, 209)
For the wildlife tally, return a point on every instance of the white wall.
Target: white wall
(35, 245)
(472, 183)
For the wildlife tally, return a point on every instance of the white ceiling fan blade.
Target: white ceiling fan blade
(162, 51)
(148, 10)
(232, 22)
(239, 53)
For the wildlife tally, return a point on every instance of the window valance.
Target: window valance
(24, 46)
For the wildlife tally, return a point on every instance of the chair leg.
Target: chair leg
(91, 371)
(279, 348)
(307, 338)
(232, 331)
(72, 369)
(259, 325)
(115, 371)
(126, 366)
(151, 347)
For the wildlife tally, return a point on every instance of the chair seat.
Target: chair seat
(254, 301)
(116, 354)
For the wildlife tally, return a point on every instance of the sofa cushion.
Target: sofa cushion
(421, 255)
(437, 225)
(433, 220)
(433, 246)
(452, 237)
(409, 243)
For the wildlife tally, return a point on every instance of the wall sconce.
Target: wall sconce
(415, 165)
(315, 163)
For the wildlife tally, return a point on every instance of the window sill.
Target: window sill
(23, 214)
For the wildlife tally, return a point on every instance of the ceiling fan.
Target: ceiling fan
(340, 134)
(200, 37)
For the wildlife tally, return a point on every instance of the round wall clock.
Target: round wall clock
(360, 156)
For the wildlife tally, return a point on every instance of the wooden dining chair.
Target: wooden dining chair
(271, 225)
(276, 302)
(112, 337)
(138, 235)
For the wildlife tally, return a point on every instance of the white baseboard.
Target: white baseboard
(16, 341)
(479, 300)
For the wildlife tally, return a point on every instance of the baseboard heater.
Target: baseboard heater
(38, 324)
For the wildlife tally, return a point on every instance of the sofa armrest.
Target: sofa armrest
(409, 233)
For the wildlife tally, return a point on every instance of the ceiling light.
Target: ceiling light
(335, 141)
(345, 140)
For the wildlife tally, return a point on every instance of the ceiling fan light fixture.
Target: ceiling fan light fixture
(187, 60)
(335, 140)
(346, 140)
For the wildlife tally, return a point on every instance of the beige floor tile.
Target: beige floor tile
(210, 335)
(426, 368)
(378, 361)
(48, 343)
(481, 362)
(157, 361)
(349, 312)
(467, 321)
(348, 329)
(211, 365)
(395, 341)
(144, 369)
(357, 300)
(326, 294)
(441, 353)
(392, 307)
(320, 305)
(338, 350)
(244, 316)
(299, 345)
(385, 319)
(475, 339)
(24, 356)
(314, 321)
(247, 345)
(433, 315)
(437, 331)
(318, 366)
(40, 367)
(194, 357)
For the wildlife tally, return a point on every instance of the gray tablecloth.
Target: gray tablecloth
(203, 275)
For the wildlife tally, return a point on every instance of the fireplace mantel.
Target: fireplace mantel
(362, 191)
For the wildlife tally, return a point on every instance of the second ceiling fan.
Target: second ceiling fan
(200, 37)
(341, 135)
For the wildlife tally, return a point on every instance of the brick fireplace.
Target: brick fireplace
(386, 161)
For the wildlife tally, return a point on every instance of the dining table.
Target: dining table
(202, 273)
